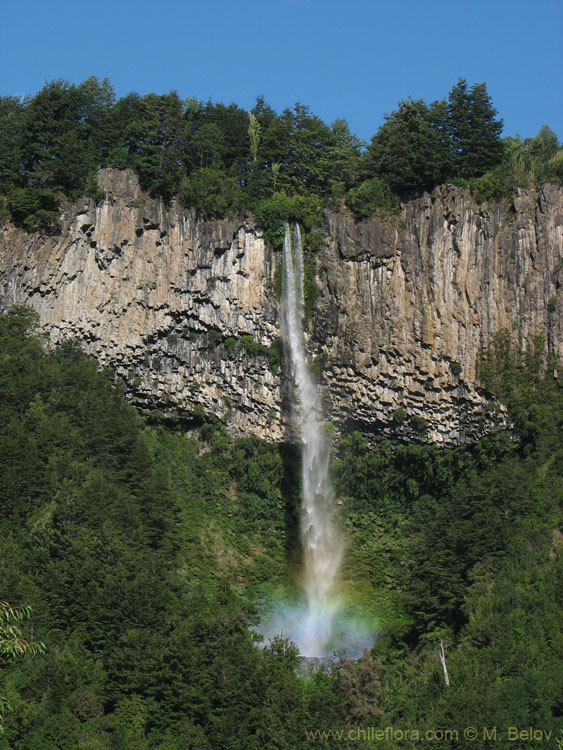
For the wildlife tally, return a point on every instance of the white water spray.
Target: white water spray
(322, 545)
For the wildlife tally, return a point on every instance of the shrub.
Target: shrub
(271, 212)
(370, 197)
(419, 424)
(94, 191)
(399, 415)
(212, 192)
(35, 209)
(275, 354)
(490, 187)
(250, 345)
(315, 240)
(212, 339)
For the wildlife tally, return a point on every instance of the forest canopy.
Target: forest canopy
(221, 159)
(144, 551)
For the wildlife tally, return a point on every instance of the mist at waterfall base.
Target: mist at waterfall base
(319, 622)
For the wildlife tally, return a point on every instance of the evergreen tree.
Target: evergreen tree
(544, 145)
(473, 129)
(153, 139)
(410, 150)
(11, 127)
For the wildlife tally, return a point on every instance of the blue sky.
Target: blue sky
(354, 59)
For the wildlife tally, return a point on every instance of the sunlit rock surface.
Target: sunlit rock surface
(403, 310)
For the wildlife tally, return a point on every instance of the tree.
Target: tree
(473, 129)
(206, 147)
(12, 643)
(153, 142)
(309, 138)
(11, 121)
(263, 174)
(341, 158)
(62, 123)
(95, 102)
(362, 687)
(52, 144)
(254, 136)
(232, 123)
(544, 145)
(410, 150)
(211, 191)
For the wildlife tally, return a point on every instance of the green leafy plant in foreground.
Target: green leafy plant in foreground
(13, 644)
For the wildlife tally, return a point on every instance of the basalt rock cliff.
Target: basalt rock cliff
(187, 314)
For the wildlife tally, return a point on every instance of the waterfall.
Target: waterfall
(322, 544)
(322, 621)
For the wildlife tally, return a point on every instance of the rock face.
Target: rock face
(186, 310)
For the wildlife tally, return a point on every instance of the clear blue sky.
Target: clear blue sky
(354, 59)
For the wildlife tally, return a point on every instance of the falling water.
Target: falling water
(323, 622)
(322, 544)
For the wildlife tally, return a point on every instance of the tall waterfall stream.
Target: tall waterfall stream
(318, 624)
(322, 544)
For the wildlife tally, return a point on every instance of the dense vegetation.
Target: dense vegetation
(221, 159)
(143, 552)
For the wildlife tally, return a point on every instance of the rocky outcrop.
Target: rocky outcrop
(186, 311)
(409, 306)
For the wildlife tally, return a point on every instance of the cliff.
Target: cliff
(186, 311)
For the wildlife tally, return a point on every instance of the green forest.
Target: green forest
(134, 558)
(220, 159)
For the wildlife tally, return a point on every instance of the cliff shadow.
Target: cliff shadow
(291, 493)
(290, 485)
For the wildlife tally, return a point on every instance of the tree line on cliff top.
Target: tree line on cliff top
(222, 159)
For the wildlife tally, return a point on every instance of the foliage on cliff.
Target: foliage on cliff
(221, 159)
(142, 551)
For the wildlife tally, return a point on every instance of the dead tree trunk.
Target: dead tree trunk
(443, 660)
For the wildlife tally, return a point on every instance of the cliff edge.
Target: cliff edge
(186, 312)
